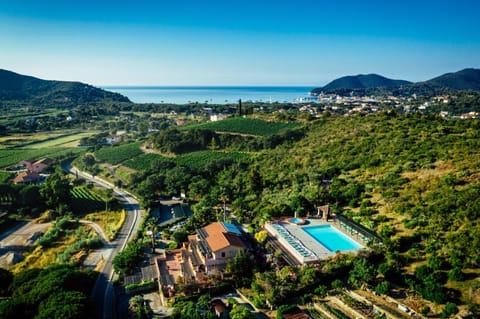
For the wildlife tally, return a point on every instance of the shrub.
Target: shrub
(449, 309)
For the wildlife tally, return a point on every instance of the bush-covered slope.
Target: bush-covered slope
(14, 86)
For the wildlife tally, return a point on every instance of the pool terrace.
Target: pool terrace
(301, 245)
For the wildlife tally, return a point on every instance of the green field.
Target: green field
(65, 140)
(195, 160)
(144, 161)
(5, 176)
(201, 159)
(243, 125)
(118, 154)
(11, 157)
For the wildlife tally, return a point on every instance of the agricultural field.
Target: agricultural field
(64, 140)
(241, 125)
(4, 177)
(11, 157)
(144, 161)
(194, 160)
(18, 140)
(201, 159)
(86, 201)
(118, 154)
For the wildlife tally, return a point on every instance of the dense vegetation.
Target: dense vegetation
(54, 292)
(245, 125)
(372, 84)
(19, 87)
(412, 179)
(117, 154)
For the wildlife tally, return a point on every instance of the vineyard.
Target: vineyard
(247, 125)
(85, 201)
(194, 160)
(200, 160)
(4, 177)
(118, 154)
(144, 161)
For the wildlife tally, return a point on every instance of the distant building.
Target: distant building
(32, 169)
(27, 178)
(40, 165)
(217, 117)
(112, 139)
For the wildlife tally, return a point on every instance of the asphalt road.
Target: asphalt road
(103, 294)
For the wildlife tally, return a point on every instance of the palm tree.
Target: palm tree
(152, 226)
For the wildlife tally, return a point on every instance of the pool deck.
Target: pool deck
(319, 251)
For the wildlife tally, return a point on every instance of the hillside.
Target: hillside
(373, 84)
(362, 81)
(467, 79)
(18, 87)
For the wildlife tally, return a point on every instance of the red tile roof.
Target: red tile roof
(219, 238)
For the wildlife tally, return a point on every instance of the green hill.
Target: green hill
(361, 81)
(373, 84)
(18, 87)
(467, 79)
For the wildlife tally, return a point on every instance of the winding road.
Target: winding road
(103, 294)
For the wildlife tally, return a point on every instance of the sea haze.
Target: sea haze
(210, 94)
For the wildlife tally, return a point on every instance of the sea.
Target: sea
(212, 94)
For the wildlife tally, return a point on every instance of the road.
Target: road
(103, 294)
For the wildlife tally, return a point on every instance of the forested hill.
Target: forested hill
(18, 87)
(372, 84)
(467, 79)
(363, 81)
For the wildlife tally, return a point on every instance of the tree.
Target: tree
(138, 308)
(261, 236)
(63, 305)
(180, 236)
(241, 269)
(449, 309)
(241, 312)
(6, 278)
(56, 191)
(88, 160)
(382, 288)
(362, 273)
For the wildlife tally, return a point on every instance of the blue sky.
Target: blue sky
(237, 42)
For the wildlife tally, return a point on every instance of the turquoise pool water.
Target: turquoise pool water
(331, 238)
(296, 220)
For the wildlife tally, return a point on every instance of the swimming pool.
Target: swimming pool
(331, 238)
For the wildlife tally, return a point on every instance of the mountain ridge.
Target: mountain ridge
(466, 79)
(19, 87)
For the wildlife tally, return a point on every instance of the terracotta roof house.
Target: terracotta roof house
(36, 166)
(27, 178)
(40, 165)
(214, 245)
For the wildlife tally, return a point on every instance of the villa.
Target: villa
(215, 244)
(205, 253)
